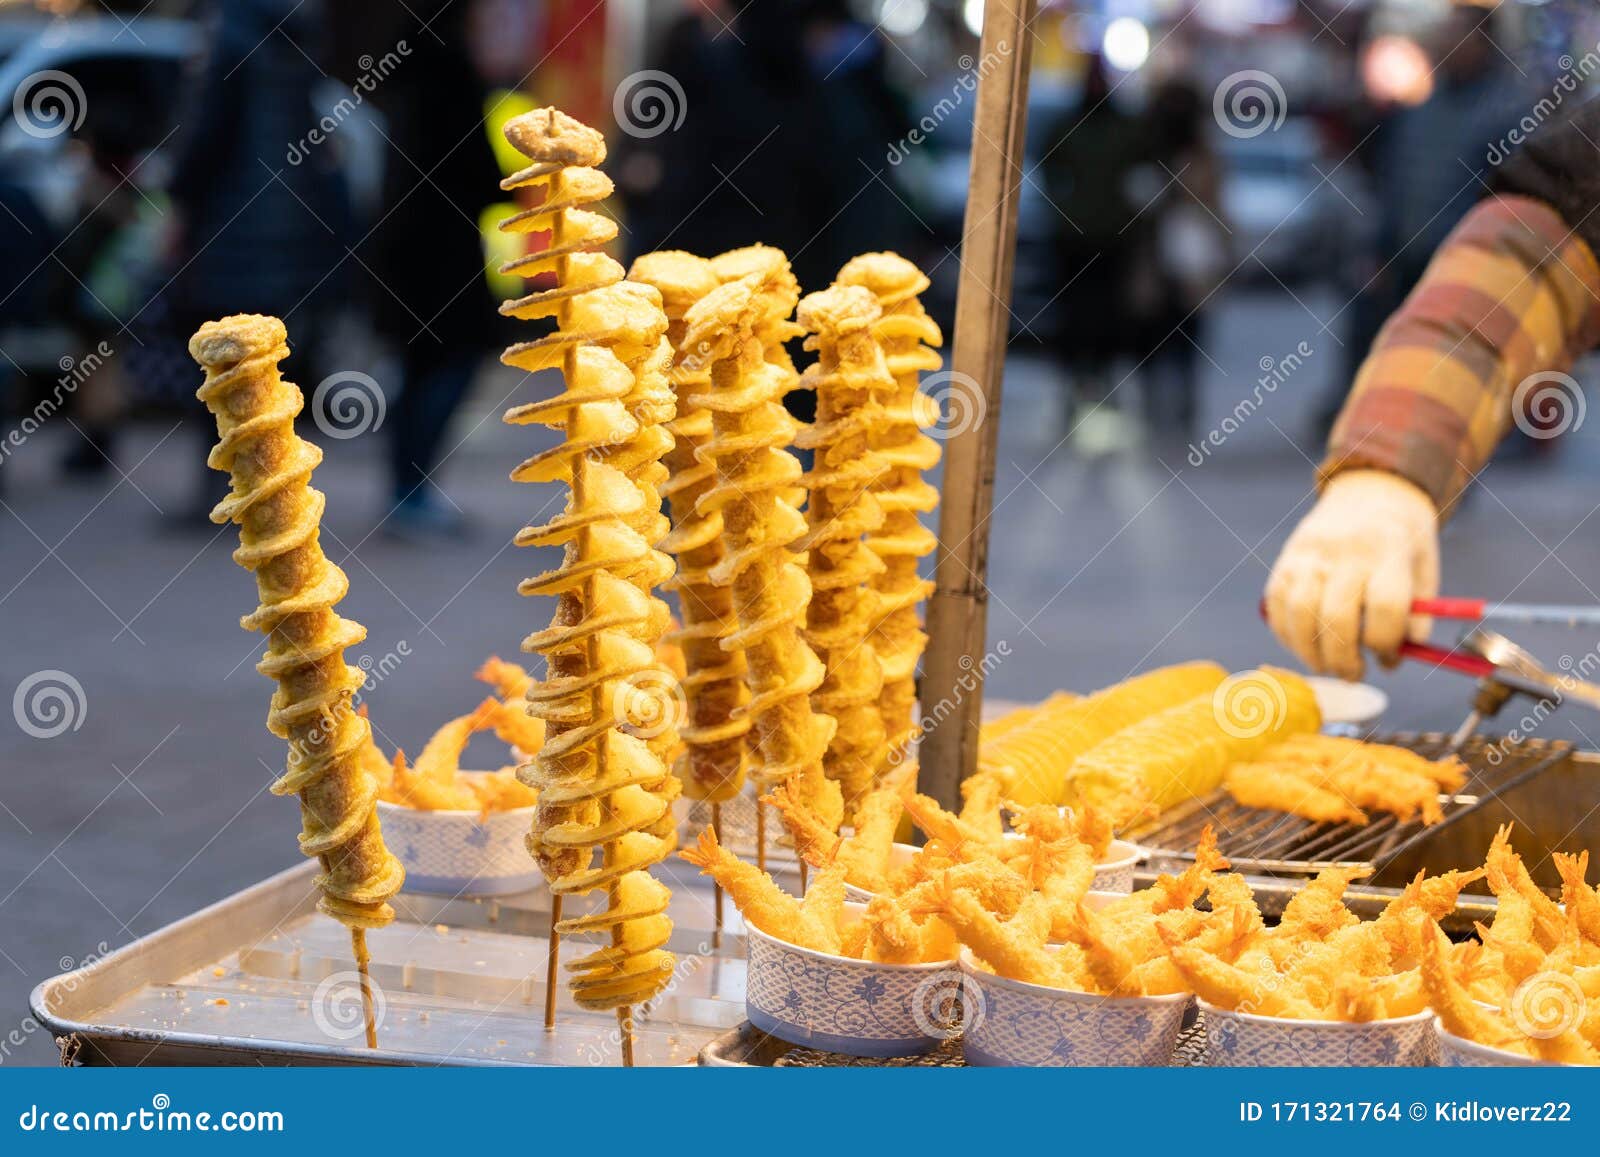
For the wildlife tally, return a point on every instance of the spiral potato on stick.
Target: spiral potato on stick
(908, 337)
(713, 764)
(279, 514)
(600, 786)
(851, 381)
(750, 433)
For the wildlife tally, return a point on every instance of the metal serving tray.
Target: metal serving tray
(262, 978)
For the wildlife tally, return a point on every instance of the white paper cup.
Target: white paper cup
(459, 853)
(1242, 1039)
(839, 1005)
(1459, 1053)
(1013, 1023)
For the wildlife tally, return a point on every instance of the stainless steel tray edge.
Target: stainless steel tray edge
(174, 949)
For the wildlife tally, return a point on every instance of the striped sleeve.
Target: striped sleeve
(1512, 292)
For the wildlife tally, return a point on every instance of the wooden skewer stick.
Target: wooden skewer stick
(803, 881)
(358, 944)
(625, 1027)
(761, 834)
(716, 889)
(957, 613)
(552, 967)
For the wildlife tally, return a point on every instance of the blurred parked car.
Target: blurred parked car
(938, 171)
(1291, 203)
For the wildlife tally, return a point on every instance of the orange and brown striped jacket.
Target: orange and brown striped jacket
(1514, 292)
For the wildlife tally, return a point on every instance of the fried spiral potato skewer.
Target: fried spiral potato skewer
(713, 764)
(750, 431)
(851, 382)
(279, 515)
(774, 331)
(908, 337)
(598, 784)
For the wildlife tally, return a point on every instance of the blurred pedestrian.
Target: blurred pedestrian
(787, 109)
(256, 233)
(1191, 244)
(425, 255)
(1091, 154)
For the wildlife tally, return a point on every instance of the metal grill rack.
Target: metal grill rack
(1275, 844)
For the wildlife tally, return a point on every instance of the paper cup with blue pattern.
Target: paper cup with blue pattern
(1243, 1039)
(856, 1007)
(461, 853)
(1013, 1023)
(1459, 1053)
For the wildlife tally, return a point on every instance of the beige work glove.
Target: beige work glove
(1349, 572)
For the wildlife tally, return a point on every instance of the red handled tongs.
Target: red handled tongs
(1502, 668)
(1484, 611)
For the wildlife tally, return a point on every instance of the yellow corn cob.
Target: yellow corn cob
(1037, 757)
(1186, 750)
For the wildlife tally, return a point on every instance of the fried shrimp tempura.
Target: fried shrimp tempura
(509, 680)
(1274, 787)
(1453, 1004)
(759, 900)
(1581, 901)
(889, 933)
(1329, 779)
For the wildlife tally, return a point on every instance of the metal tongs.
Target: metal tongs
(1502, 668)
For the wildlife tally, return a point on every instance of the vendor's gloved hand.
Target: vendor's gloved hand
(1350, 571)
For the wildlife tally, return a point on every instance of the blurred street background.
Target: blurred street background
(1223, 200)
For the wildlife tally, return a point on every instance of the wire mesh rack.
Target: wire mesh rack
(1274, 843)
